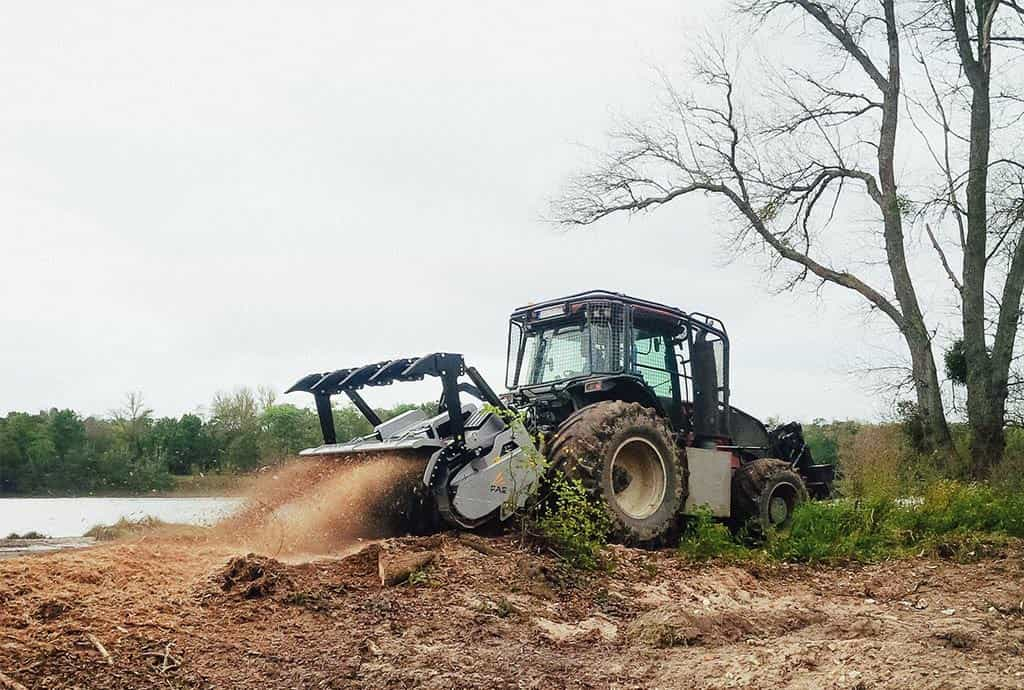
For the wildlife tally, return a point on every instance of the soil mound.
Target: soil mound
(50, 610)
(252, 576)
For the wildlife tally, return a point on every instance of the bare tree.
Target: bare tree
(132, 420)
(824, 142)
(235, 411)
(979, 197)
(993, 219)
(266, 397)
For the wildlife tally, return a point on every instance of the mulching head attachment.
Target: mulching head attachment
(474, 462)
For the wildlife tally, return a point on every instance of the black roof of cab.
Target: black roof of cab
(702, 320)
(601, 295)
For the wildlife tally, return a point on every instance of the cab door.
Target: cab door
(654, 359)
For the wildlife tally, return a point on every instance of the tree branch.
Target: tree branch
(942, 257)
(846, 40)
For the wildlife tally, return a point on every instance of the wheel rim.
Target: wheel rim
(781, 503)
(639, 478)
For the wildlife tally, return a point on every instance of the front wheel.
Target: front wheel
(624, 456)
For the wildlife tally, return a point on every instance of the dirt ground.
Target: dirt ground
(287, 593)
(187, 612)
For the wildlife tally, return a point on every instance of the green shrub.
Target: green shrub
(1009, 474)
(952, 520)
(951, 507)
(575, 527)
(32, 534)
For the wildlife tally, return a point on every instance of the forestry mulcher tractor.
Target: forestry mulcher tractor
(630, 397)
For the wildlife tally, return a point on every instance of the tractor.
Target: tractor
(628, 396)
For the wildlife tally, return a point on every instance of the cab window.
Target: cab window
(650, 360)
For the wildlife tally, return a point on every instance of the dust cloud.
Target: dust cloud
(327, 505)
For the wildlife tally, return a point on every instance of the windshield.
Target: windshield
(549, 352)
(554, 354)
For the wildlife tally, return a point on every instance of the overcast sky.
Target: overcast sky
(203, 195)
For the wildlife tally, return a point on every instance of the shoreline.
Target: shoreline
(16, 548)
(196, 486)
(227, 493)
(71, 517)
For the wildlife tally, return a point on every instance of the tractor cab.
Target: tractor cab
(599, 345)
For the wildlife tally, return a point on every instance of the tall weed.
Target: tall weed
(871, 460)
(573, 524)
(951, 507)
(880, 462)
(1009, 474)
(842, 530)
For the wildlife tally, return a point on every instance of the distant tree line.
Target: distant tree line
(131, 450)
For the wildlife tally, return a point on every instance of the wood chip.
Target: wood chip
(99, 647)
(10, 683)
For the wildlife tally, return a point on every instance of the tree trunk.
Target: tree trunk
(988, 441)
(985, 396)
(913, 328)
(929, 394)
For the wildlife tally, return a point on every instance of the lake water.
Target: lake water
(72, 517)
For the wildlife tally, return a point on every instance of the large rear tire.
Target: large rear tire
(624, 456)
(765, 493)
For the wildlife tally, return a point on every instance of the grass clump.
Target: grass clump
(125, 528)
(419, 578)
(574, 525)
(704, 538)
(965, 548)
